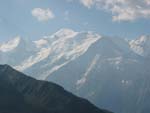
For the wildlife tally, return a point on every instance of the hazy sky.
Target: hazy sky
(36, 18)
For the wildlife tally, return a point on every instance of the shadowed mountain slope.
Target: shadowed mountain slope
(23, 94)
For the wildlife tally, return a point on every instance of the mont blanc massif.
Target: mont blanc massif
(110, 72)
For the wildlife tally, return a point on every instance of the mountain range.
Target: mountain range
(111, 72)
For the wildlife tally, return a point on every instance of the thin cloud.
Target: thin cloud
(87, 3)
(42, 14)
(122, 10)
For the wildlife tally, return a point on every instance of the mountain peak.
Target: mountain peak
(64, 32)
(4, 66)
(10, 45)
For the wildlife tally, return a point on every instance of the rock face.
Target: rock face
(23, 94)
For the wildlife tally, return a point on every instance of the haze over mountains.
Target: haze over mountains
(113, 73)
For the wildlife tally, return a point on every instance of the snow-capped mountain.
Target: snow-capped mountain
(10, 45)
(111, 72)
(49, 53)
(141, 46)
(16, 50)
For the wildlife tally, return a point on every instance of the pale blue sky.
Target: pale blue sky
(16, 19)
